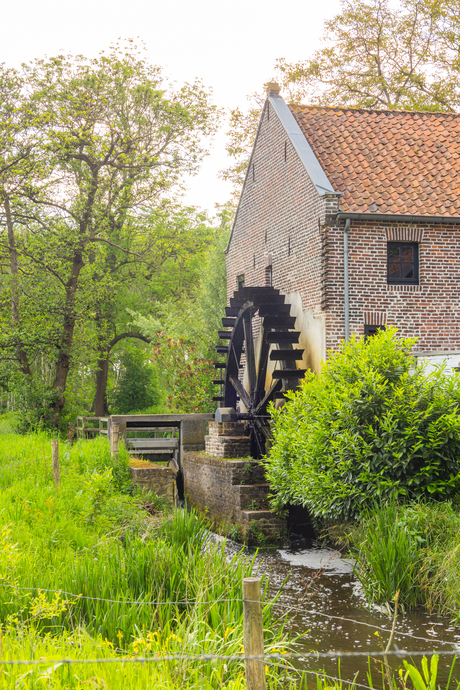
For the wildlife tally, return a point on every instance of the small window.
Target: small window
(402, 266)
(369, 331)
(240, 281)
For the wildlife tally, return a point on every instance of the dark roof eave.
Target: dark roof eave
(401, 218)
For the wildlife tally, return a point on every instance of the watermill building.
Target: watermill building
(354, 215)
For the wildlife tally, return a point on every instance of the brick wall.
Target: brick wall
(155, 478)
(283, 222)
(226, 490)
(429, 311)
(279, 220)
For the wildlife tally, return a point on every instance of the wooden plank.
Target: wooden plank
(276, 355)
(222, 349)
(228, 323)
(289, 373)
(166, 443)
(283, 337)
(231, 311)
(134, 427)
(153, 418)
(224, 335)
(279, 321)
(274, 309)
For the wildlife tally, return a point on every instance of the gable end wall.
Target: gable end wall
(280, 223)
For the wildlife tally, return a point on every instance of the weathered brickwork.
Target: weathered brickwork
(232, 492)
(227, 440)
(159, 479)
(283, 222)
(279, 220)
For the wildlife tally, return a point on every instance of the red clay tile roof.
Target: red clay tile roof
(387, 161)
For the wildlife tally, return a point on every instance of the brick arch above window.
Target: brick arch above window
(407, 234)
(375, 318)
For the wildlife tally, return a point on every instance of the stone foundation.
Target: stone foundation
(227, 440)
(155, 478)
(232, 492)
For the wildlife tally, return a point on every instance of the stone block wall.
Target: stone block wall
(232, 492)
(227, 440)
(159, 479)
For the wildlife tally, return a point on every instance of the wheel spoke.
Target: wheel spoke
(273, 389)
(264, 428)
(238, 386)
(263, 361)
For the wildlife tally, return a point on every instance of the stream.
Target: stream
(325, 601)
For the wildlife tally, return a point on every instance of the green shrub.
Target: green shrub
(137, 387)
(372, 424)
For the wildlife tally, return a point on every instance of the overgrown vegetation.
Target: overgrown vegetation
(411, 549)
(373, 424)
(86, 572)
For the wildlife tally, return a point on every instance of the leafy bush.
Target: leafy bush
(136, 387)
(372, 424)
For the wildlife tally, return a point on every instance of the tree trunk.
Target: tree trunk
(101, 408)
(63, 361)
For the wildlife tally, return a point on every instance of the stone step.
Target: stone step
(252, 496)
(260, 525)
(247, 472)
(264, 515)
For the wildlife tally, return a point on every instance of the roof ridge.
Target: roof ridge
(374, 110)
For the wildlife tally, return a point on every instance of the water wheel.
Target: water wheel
(246, 384)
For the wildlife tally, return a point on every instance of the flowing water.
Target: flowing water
(324, 601)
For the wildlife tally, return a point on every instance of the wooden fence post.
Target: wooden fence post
(253, 634)
(114, 439)
(55, 456)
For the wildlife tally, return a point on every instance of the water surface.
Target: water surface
(325, 601)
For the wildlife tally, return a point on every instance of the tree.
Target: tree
(163, 271)
(379, 56)
(376, 55)
(114, 140)
(136, 387)
(373, 424)
(184, 332)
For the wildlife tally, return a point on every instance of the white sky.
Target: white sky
(231, 46)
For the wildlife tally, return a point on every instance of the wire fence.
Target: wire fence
(332, 654)
(269, 657)
(186, 602)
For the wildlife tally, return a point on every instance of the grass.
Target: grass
(414, 549)
(85, 572)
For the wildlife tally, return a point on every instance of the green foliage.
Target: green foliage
(388, 558)
(411, 548)
(372, 424)
(185, 333)
(112, 134)
(124, 583)
(136, 387)
(368, 60)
